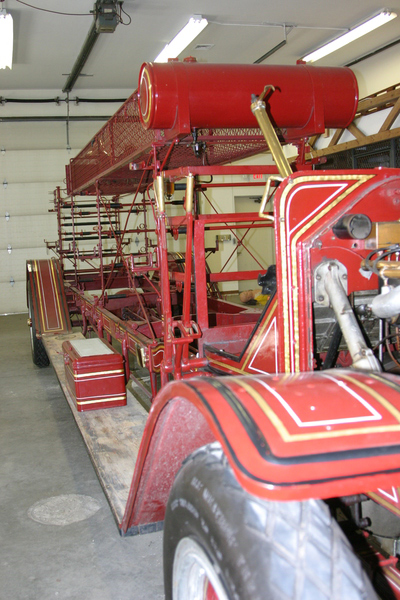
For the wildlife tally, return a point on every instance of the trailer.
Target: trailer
(256, 435)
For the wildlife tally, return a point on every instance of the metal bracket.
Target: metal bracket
(320, 294)
(265, 197)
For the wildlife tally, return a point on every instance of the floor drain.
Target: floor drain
(63, 510)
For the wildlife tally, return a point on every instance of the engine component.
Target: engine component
(382, 264)
(387, 304)
(331, 274)
(356, 227)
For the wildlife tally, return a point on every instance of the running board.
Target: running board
(112, 436)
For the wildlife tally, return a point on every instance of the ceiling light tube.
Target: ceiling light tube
(373, 23)
(195, 25)
(6, 40)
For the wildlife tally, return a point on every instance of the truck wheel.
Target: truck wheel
(39, 354)
(221, 543)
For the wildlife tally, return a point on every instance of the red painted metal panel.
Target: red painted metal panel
(172, 432)
(256, 350)
(50, 304)
(95, 380)
(306, 208)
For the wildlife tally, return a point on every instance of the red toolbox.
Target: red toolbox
(95, 374)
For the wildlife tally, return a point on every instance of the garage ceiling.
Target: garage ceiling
(46, 45)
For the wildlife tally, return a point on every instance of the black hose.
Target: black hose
(331, 355)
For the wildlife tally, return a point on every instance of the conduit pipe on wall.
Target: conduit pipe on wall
(52, 119)
(58, 100)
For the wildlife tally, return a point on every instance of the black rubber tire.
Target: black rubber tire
(259, 550)
(39, 354)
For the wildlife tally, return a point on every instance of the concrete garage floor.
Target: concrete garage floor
(42, 456)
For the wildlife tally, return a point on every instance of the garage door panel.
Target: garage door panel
(25, 166)
(27, 232)
(22, 199)
(13, 265)
(33, 164)
(13, 298)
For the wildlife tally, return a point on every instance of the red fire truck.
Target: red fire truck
(256, 436)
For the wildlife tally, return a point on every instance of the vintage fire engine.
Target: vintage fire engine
(265, 423)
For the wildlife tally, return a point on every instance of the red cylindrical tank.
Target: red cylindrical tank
(202, 95)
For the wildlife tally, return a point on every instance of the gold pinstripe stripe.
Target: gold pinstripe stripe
(94, 373)
(108, 399)
(347, 191)
(380, 500)
(320, 435)
(258, 336)
(378, 397)
(359, 180)
(56, 290)
(41, 303)
(253, 345)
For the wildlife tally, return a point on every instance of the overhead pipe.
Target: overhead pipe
(84, 54)
(101, 15)
(52, 119)
(58, 100)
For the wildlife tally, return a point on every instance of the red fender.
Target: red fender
(287, 437)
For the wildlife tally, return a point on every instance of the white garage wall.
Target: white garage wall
(378, 72)
(26, 178)
(33, 156)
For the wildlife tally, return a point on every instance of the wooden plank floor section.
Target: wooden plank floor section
(111, 435)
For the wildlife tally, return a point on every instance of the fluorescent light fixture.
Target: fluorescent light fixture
(193, 27)
(6, 40)
(373, 23)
